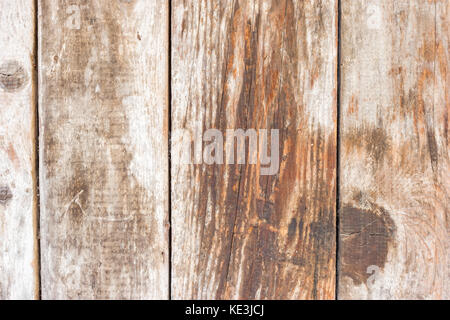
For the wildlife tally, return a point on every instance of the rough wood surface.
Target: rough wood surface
(395, 165)
(261, 65)
(103, 105)
(18, 258)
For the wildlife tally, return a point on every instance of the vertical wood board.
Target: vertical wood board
(18, 204)
(395, 164)
(103, 133)
(255, 65)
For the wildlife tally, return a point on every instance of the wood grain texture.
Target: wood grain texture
(18, 241)
(103, 135)
(261, 65)
(395, 164)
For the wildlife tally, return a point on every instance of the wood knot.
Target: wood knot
(366, 235)
(13, 76)
(5, 195)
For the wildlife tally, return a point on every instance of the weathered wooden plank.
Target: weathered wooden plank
(104, 165)
(18, 204)
(395, 173)
(255, 65)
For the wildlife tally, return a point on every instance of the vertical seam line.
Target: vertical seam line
(338, 146)
(36, 215)
(169, 142)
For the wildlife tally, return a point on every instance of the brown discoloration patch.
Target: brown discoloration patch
(375, 141)
(13, 156)
(353, 106)
(5, 195)
(427, 51)
(377, 144)
(13, 76)
(292, 227)
(432, 148)
(366, 236)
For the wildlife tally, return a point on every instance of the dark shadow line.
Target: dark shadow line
(338, 146)
(38, 293)
(169, 142)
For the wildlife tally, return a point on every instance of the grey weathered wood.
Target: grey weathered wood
(18, 242)
(395, 164)
(104, 161)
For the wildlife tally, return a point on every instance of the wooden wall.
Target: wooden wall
(96, 204)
